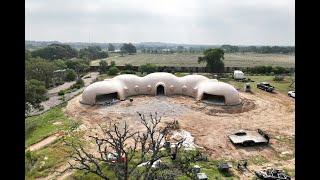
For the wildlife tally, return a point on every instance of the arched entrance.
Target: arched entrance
(215, 99)
(107, 98)
(160, 90)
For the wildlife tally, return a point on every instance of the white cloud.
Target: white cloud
(183, 21)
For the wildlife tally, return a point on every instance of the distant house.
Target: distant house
(59, 76)
(166, 50)
(117, 51)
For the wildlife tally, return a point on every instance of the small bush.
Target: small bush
(127, 72)
(148, 68)
(79, 84)
(61, 92)
(112, 64)
(113, 71)
(128, 67)
(70, 75)
(280, 70)
(278, 78)
(103, 66)
(30, 160)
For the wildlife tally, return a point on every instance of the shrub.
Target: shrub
(127, 72)
(112, 64)
(128, 67)
(61, 92)
(113, 71)
(278, 78)
(103, 66)
(30, 160)
(148, 68)
(79, 84)
(70, 75)
(35, 93)
(279, 70)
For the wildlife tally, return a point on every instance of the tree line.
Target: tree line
(259, 49)
(63, 51)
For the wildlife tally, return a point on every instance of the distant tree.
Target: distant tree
(60, 64)
(213, 59)
(111, 47)
(71, 75)
(147, 68)
(128, 67)
(41, 70)
(92, 52)
(129, 48)
(55, 51)
(27, 54)
(103, 66)
(112, 63)
(180, 49)
(279, 70)
(80, 66)
(230, 49)
(35, 93)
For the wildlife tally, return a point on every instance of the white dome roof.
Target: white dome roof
(191, 85)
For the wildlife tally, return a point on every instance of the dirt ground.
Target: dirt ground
(209, 124)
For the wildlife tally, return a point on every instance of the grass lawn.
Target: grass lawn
(47, 159)
(280, 86)
(191, 60)
(41, 126)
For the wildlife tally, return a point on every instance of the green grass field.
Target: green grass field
(41, 126)
(191, 60)
(280, 86)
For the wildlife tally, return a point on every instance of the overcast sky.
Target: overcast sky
(238, 22)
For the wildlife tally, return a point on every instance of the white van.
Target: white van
(238, 74)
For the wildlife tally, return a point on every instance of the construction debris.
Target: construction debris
(154, 165)
(196, 169)
(224, 166)
(272, 174)
(201, 176)
(242, 165)
(249, 138)
(188, 142)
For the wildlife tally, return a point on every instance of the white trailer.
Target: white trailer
(238, 74)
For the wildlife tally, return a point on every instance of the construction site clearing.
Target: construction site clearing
(206, 126)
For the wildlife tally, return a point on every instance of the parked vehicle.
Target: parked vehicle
(238, 75)
(292, 94)
(265, 86)
(272, 174)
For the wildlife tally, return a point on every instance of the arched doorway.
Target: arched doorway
(215, 99)
(107, 98)
(160, 90)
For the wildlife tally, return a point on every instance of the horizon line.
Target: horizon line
(66, 42)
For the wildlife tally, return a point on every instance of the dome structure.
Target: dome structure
(161, 83)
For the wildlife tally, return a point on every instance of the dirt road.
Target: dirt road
(54, 98)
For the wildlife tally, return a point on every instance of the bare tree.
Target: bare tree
(114, 144)
(147, 146)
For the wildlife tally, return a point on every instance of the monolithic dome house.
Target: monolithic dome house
(161, 83)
